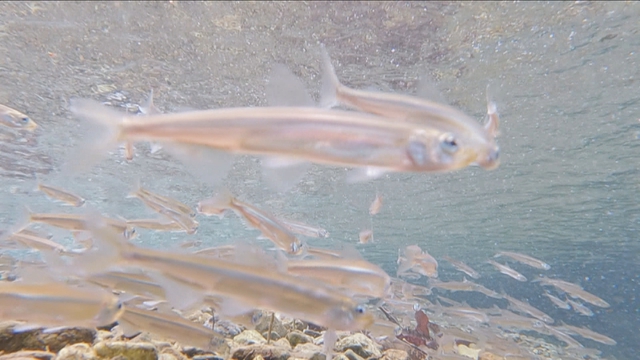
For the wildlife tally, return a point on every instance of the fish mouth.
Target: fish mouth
(491, 161)
(32, 126)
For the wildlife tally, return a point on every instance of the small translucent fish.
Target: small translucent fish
(467, 313)
(15, 119)
(134, 320)
(376, 205)
(464, 285)
(460, 266)
(365, 236)
(187, 223)
(61, 195)
(186, 278)
(58, 304)
(156, 224)
(204, 140)
(559, 303)
(525, 259)
(36, 242)
(463, 132)
(587, 334)
(132, 283)
(305, 229)
(417, 261)
(563, 336)
(580, 308)
(270, 227)
(505, 269)
(357, 276)
(147, 196)
(521, 306)
(78, 222)
(574, 290)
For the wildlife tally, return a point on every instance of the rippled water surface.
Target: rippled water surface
(565, 77)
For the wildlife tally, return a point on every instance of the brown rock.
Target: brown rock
(28, 355)
(296, 337)
(359, 344)
(37, 339)
(77, 352)
(394, 354)
(268, 352)
(128, 350)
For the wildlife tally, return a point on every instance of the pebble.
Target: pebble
(28, 354)
(249, 337)
(268, 352)
(35, 339)
(296, 337)
(359, 344)
(77, 352)
(278, 330)
(394, 354)
(129, 350)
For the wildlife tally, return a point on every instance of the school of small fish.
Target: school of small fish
(105, 278)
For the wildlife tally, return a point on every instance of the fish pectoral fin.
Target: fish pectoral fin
(364, 174)
(286, 89)
(128, 329)
(180, 294)
(207, 164)
(281, 174)
(25, 327)
(232, 307)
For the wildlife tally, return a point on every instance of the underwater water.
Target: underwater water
(565, 77)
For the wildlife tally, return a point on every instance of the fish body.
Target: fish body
(460, 266)
(418, 261)
(61, 195)
(76, 222)
(305, 229)
(138, 284)
(505, 269)
(525, 259)
(588, 334)
(36, 242)
(243, 287)
(172, 327)
(15, 119)
(376, 205)
(559, 303)
(463, 132)
(330, 137)
(57, 304)
(155, 224)
(358, 276)
(521, 306)
(270, 227)
(580, 308)
(147, 196)
(574, 290)
(365, 236)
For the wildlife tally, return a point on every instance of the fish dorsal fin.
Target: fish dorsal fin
(284, 88)
(427, 89)
(282, 174)
(149, 108)
(493, 122)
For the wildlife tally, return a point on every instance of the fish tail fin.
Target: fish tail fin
(330, 82)
(102, 131)
(493, 122)
(107, 247)
(137, 186)
(217, 204)
(149, 108)
(24, 220)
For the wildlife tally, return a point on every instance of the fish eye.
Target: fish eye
(360, 309)
(25, 119)
(448, 143)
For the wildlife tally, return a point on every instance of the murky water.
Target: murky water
(564, 75)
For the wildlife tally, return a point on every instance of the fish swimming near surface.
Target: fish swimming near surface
(505, 269)
(61, 195)
(525, 259)
(463, 132)
(15, 119)
(289, 136)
